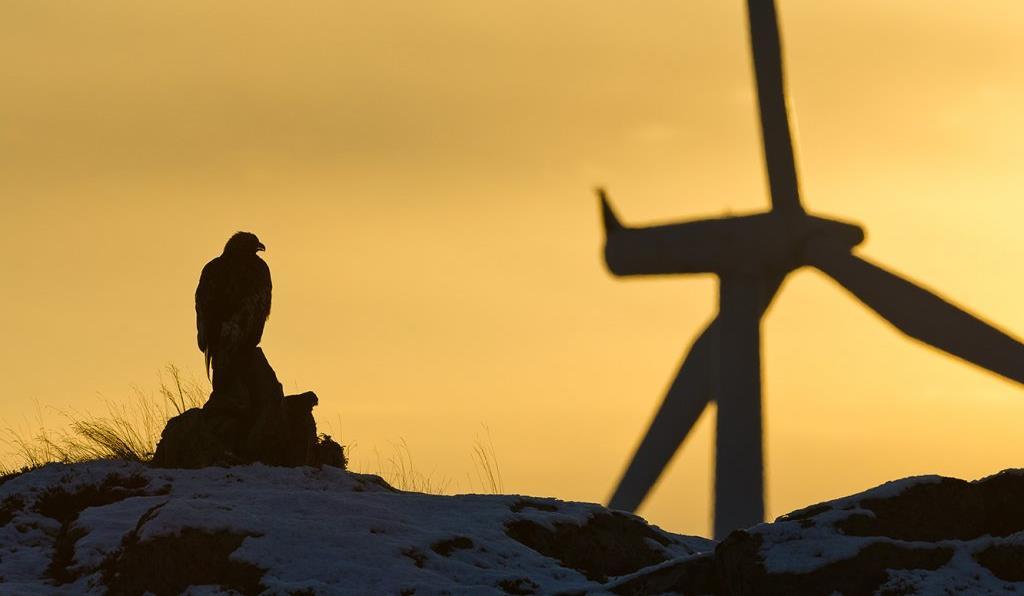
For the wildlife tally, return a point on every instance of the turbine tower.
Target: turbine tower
(752, 255)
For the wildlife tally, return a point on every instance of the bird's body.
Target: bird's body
(232, 304)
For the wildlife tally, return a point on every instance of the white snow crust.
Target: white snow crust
(788, 547)
(323, 530)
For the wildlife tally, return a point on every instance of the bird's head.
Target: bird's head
(243, 243)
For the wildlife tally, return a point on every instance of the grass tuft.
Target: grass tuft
(130, 431)
(485, 459)
(127, 430)
(399, 471)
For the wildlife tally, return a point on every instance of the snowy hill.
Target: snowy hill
(127, 529)
(121, 528)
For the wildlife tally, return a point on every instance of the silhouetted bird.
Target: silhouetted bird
(232, 304)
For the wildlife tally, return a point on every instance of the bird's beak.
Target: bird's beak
(260, 247)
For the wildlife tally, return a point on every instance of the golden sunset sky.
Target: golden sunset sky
(422, 174)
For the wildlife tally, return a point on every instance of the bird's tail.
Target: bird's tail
(209, 359)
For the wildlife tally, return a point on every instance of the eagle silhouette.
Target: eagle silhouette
(232, 304)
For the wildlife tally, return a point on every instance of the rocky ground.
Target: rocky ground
(128, 529)
(122, 528)
(923, 535)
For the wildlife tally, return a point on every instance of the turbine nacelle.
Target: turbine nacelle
(742, 244)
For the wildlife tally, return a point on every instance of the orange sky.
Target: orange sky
(422, 175)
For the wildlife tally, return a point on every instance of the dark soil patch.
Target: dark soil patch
(64, 506)
(695, 575)
(169, 564)
(59, 504)
(867, 571)
(60, 568)
(740, 570)
(9, 508)
(416, 555)
(609, 544)
(950, 509)
(447, 547)
(520, 586)
(533, 504)
(1005, 561)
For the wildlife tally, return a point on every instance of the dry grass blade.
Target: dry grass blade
(399, 471)
(128, 430)
(485, 459)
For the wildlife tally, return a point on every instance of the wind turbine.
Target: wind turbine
(752, 255)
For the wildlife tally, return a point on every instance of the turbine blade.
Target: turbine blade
(771, 98)
(923, 315)
(739, 454)
(693, 388)
(608, 217)
(686, 399)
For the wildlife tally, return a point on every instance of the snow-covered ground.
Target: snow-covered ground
(122, 528)
(919, 535)
(298, 531)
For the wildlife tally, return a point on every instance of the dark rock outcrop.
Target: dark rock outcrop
(692, 575)
(251, 420)
(170, 564)
(912, 536)
(608, 544)
(741, 571)
(64, 505)
(1005, 561)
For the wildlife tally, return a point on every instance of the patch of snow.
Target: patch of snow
(789, 547)
(322, 530)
